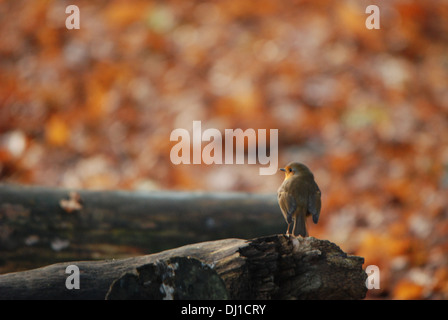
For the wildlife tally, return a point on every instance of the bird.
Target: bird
(299, 197)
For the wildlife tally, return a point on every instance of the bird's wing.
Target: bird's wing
(314, 203)
(287, 204)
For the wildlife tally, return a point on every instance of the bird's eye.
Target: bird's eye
(290, 170)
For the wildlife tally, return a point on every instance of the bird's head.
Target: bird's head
(296, 169)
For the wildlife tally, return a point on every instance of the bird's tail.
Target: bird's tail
(300, 226)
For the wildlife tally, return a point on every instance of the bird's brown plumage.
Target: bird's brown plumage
(299, 197)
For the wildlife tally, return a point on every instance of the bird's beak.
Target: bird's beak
(282, 169)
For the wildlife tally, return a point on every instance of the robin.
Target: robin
(299, 197)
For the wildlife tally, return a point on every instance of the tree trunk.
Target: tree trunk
(273, 267)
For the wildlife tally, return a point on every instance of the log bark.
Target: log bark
(272, 267)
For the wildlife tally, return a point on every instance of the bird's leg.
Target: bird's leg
(294, 228)
(287, 229)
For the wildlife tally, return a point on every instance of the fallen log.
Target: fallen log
(272, 267)
(36, 223)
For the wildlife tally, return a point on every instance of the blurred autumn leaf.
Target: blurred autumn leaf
(366, 110)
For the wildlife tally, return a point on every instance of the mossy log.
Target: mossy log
(272, 267)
